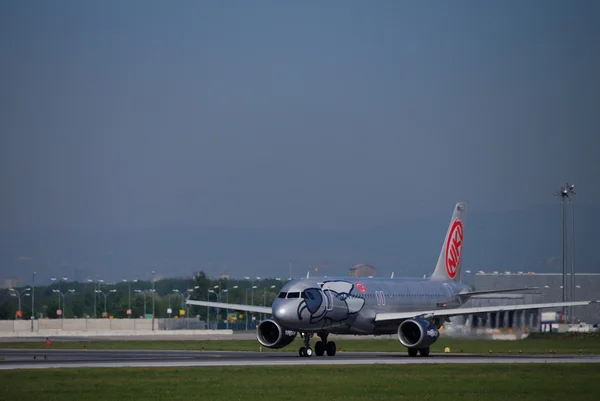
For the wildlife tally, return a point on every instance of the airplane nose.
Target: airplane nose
(282, 311)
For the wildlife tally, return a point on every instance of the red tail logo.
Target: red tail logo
(454, 248)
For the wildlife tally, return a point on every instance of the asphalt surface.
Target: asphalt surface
(36, 359)
(248, 335)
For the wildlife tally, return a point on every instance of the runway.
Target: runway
(44, 359)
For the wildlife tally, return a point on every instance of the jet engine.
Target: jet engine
(272, 335)
(417, 333)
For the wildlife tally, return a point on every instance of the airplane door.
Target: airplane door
(328, 299)
(380, 295)
(449, 292)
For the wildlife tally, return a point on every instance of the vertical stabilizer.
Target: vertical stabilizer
(448, 265)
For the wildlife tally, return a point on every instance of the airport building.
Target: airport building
(587, 287)
(10, 282)
(361, 270)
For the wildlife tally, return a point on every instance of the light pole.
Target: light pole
(144, 294)
(169, 311)
(207, 309)
(18, 294)
(564, 194)
(265, 299)
(54, 279)
(33, 301)
(246, 313)
(58, 280)
(180, 293)
(227, 292)
(153, 273)
(571, 193)
(251, 293)
(188, 293)
(251, 296)
(105, 295)
(218, 310)
(253, 287)
(94, 294)
(129, 305)
(62, 294)
(96, 287)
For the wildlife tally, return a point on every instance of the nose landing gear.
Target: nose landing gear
(305, 350)
(321, 347)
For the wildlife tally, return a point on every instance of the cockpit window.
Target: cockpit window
(307, 295)
(293, 295)
(282, 294)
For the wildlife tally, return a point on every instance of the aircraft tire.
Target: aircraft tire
(424, 351)
(330, 348)
(302, 351)
(319, 348)
(413, 351)
(308, 352)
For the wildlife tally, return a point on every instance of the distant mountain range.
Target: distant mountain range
(523, 240)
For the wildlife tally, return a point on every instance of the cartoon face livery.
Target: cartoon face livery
(318, 305)
(312, 304)
(333, 302)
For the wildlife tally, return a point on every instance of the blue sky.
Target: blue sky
(281, 114)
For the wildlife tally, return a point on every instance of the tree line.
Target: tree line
(80, 299)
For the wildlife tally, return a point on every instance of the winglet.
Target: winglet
(392, 275)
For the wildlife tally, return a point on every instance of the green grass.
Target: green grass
(347, 383)
(536, 344)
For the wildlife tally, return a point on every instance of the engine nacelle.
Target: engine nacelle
(271, 335)
(416, 333)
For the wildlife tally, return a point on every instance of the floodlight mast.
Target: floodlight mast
(572, 284)
(565, 193)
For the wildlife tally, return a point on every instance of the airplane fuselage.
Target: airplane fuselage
(348, 305)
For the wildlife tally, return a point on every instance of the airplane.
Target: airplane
(414, 309)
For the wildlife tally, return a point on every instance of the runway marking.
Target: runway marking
(292, 361)
(24, 359)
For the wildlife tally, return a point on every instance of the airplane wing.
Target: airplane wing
(223, 305)
(391, 316)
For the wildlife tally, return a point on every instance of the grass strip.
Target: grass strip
(347, 383)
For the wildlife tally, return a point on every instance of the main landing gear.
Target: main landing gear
(421, 351)
(321, 347)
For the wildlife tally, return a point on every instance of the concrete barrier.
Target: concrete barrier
(119, 333)
(101, 328)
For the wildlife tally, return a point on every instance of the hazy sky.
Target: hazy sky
(332, 114)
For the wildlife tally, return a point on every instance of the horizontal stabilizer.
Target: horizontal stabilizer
(497, 296)
(399, 316)
(223, 305)
(487, 292)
